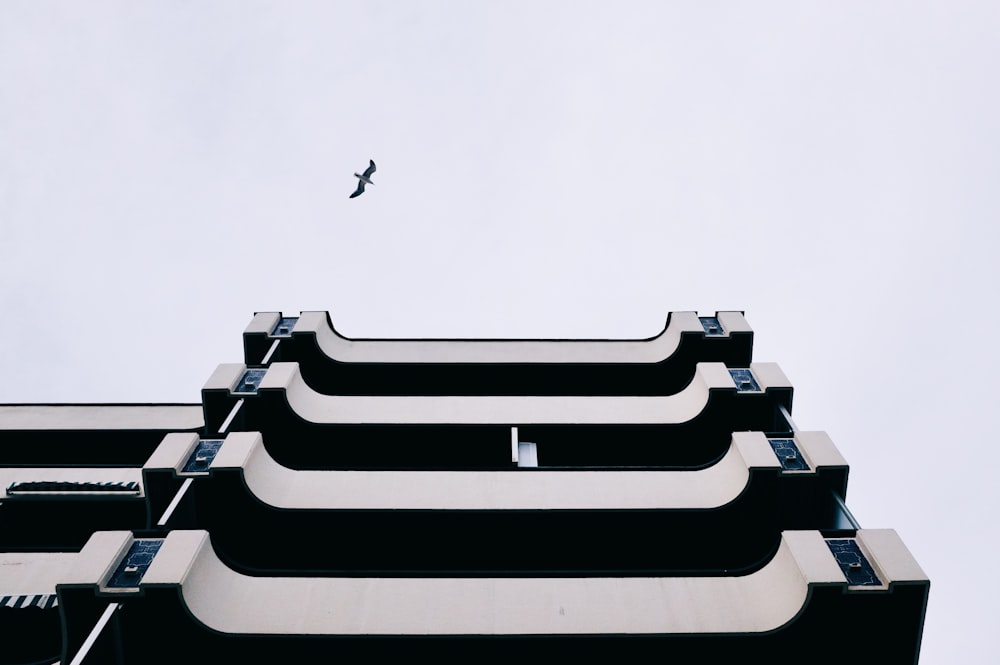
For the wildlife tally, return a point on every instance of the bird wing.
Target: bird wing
(359, 190)
(370, 170)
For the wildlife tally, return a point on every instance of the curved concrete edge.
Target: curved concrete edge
(515, 410)
(172, 453)
(754, 450)
(168, 417)
(225, 376)
(819, 450)
(769, 376)
(890, 558)
(733, 322)
(651, 350)
(229, 602)
(240, 450)
(262, 323)
(179, 554)
(284, 488)
(98, 558)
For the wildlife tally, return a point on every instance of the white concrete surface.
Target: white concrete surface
(281, 487)
(232, 603)
(492, 410)
(30, 573)
(100, 416)
(651, 350)
(173, 451)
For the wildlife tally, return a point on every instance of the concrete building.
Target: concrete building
(448, 499)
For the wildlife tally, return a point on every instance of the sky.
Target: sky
(551, 168)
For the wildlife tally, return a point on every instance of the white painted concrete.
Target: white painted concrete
(30, 573)
(504, 409)
(232, 603)
(229, 602)
(538, 489)
(100, 416)
(343, 349)
(173, 451)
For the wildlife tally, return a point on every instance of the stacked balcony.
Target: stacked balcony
(447, 498)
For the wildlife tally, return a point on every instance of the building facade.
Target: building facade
(335, 497)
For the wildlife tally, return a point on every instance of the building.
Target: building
(447, 498)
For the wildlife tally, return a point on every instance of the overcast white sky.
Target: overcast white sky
(545, 168)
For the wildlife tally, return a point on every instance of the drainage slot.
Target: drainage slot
(744, 380)
(285, 326)
(712, 326)
(202, 457)
(788, 454)
(135, 563)
(249, 382)
(853, 563)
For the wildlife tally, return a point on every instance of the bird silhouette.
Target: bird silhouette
(364, 179)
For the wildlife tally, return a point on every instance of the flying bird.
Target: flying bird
(364, 179)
